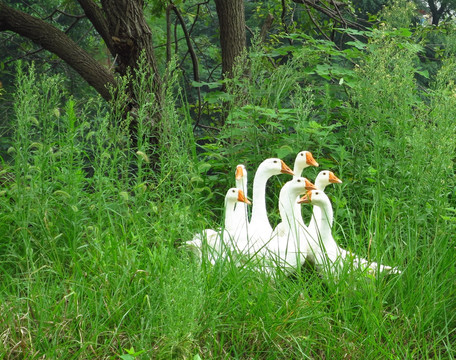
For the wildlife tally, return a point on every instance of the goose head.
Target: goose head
(293, 188)
(241, 177)
(314, 197)
(274, 166)
(233, 195)
(241, 172)
(299, 186)
(303, 159)
(326, 177)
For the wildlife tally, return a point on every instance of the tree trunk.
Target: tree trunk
(232, 32)
(437, 12)
(131, 36)
(130, 33)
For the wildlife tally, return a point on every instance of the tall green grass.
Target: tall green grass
(89, 232)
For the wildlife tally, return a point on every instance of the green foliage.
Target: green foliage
(371, 7)
(402, 161)
(398, 14)
(276, 109)
(90, 230)
(80, 208)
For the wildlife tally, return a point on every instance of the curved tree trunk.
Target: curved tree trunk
(57, 42)
(232, 32)
(121, 24)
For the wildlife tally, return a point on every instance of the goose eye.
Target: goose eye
(233, 191)
(298, 180)
(316, 193)
(302, 154)
(275, 161)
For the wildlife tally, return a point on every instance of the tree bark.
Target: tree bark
(129, 32)
(57, 42)
(131, 36)
(437, 12)
(96, 16)
(231, 18)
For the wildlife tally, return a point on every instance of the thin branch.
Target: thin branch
(284, 23)
(315, 23)
(330, 13)
(192, 55)
(189, 43)
(338, 13)
(97, 17)
(73, 24)
(176, 40)
(27, 54)
(197, 14)
(51, 15)
(168, 33)
(250, 30)
(207, 127)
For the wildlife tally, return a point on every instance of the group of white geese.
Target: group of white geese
(292, 242)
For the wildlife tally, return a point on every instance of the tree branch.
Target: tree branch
(189, 43)
(315, 23)
(330, 13)
(284, 22)
(96, 16)
(168, 33)
(57, 11)
(57, 42)
(192, 55)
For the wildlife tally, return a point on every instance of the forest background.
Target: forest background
(121, 124)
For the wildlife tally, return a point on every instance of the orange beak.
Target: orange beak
(242, 198)
(334, 179)
(285, 169)
(310, 159)
(310, 186)
(306, 198)
(239, 172)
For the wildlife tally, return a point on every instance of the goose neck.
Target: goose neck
(325, 220)
(259, 196)
(229, 213)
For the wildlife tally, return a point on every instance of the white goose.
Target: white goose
(288, 245)
(241, 219)
(259, 229)
(329, 257)
(212, 244)
(323, 179)
(303, 160)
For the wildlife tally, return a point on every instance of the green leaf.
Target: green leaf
(423, 73)
(203, 167)
(284, 151)
(357, 44)
(127, 357)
